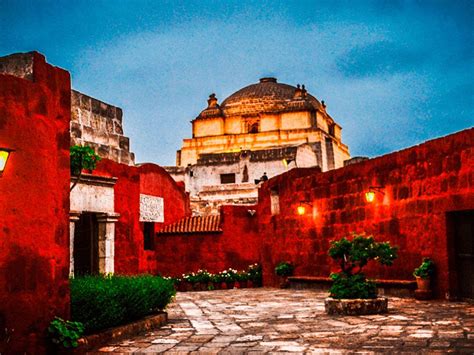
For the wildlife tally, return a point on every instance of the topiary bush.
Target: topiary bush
(352, 256)
(101, 302)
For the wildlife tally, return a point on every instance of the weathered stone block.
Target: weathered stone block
(124, 143)
(118, 127)
(76, 131)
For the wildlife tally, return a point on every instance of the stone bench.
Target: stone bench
(397, 288)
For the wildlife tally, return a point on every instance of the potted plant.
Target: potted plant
(255, 275)
(242, 278)
(283, 270)
(202, 280)
(351, 292)
(423, 275)
(230, 276)
(216, 280)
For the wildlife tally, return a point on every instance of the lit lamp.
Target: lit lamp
(301, 209)
(370, 195)
(4, 154)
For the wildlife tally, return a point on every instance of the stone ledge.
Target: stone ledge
(398, 288)
(355, 306)
(123, 331)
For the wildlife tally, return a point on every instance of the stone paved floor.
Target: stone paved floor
(272, 320)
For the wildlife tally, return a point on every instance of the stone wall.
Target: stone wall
(99, 125)
(132, 181)
(34, 203)
(420, 186)
(237, 246)
(208, 193)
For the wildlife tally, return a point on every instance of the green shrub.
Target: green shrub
(101, 302)
(425, 270)
(352, 256)
(354, 286)
(284, 269)
(65, 333)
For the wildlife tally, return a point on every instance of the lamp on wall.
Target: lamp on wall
(4, 155)
(301, 209)
(370, 195)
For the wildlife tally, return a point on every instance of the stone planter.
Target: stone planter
(355, 307)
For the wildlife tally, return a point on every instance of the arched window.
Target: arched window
(253, 127)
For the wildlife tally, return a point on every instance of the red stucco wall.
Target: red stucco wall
(421, 184)
(237, 246)
(149, 179)
(34, 206)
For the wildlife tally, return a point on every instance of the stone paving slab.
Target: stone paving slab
(256, 321)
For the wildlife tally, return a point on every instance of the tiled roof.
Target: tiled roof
(193, 225)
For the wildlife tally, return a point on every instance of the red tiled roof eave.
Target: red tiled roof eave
(207, 224)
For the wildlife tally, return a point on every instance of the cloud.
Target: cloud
(379, 58)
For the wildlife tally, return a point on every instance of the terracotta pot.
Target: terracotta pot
(181, 286)
(230, 285)
(223, 286)
(189, 286)
(217, 285)
(243, 284)
(423, 284)
(283, 280)
(250, 284)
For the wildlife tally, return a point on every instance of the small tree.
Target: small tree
(82, 157)
(352, 256)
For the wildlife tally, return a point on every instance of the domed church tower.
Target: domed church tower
(267, 127)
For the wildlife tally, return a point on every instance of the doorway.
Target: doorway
(462, 230)
(86, 245)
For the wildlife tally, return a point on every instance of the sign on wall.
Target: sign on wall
(151, 209)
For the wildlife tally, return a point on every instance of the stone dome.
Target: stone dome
(269, 96)
(266, 96)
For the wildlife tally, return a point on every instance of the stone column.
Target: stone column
(73, 218)
(106, 223)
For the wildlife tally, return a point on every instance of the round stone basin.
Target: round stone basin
(354, 307)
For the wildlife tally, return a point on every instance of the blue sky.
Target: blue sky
(393, 73)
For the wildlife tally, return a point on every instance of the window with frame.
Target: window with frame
(149, 235)
(227, 178)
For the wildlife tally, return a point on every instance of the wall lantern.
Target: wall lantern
(4, 154)
(370, 195)
(301, 209)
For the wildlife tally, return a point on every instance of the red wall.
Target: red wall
(237, 246)
(34, 205)
(149, 179)
(421, 184)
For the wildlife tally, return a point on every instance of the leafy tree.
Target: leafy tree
(82, 157)
(352, 256)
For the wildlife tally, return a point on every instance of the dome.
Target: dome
(269, 96)
(266, 96)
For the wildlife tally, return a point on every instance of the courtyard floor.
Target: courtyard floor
(274, 320)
